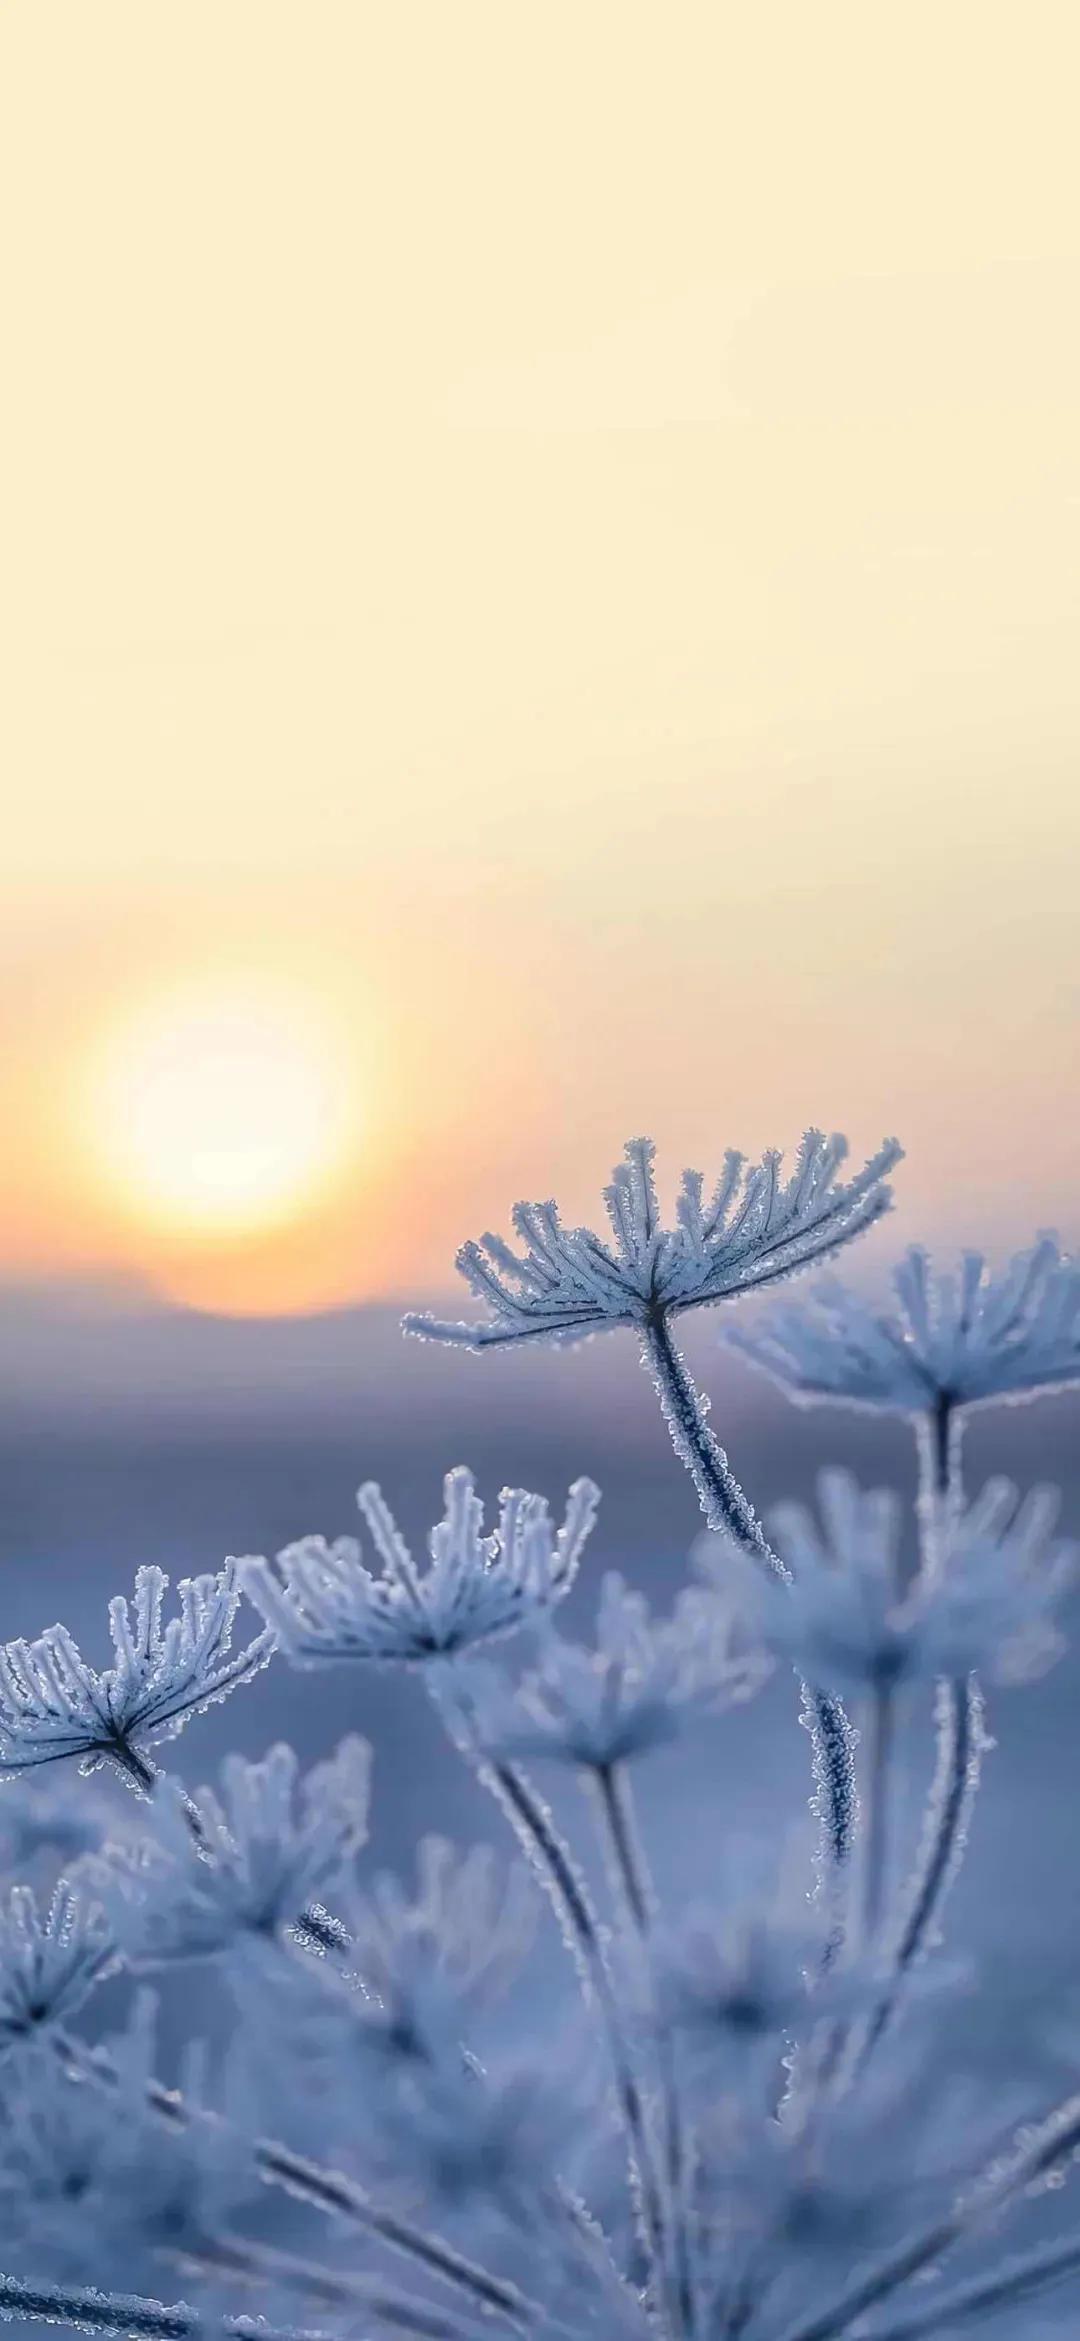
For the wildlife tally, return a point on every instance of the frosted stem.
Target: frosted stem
(91, 2311)
(1018, 2278)
(554, 1866)
(622, 1845)
(328, 2190)
(634, 1888)
(260, 2263)
(939, 1434)
(566, 1890)
(685, 1411)
(340, 2196)
(961, 1737)
(1049, 2146)
(878, 1742)
(960, 1747)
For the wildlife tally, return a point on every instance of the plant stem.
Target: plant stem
(961, 1742)
(1014, 2279)
(878, 1741)
(685, 1410)
(566, 1890)
(91, 2311)
(1051, 2144)
(726, 1508)
(634, 1889)
(259, 2263)
(622, 1844)
(328, 2190)
(961, 1737)
(939, 1435)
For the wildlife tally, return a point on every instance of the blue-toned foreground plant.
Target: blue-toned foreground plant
(754, 2122)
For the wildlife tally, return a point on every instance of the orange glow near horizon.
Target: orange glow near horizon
(577, 648)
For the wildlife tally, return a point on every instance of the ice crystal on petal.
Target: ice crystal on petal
(638, 1687)
(247, 1864)
(844, 1619)
(54, 1705)
(49, 1963)
(755, 1228)
(963, 1339)
(324, 1605)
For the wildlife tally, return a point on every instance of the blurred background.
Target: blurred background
(539, 599)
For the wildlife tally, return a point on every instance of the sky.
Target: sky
(538, 600)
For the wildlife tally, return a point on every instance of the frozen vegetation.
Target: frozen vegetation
(746, 2119)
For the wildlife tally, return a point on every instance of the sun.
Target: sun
(220, 1112)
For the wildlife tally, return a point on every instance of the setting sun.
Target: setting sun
(220, 1112)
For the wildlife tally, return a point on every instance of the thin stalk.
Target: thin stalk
(939, 1436)
(568, 1894)
(126, 2313)
(726, 1508)
(1019, 2278)
(1049, 2145)
(332, 2192)
(961, 1736)
(259, 2263)
(878, 1732)
(621, 1842)
(961, 1741)
(328, 2190)
(634, 1888)
(685, 1410)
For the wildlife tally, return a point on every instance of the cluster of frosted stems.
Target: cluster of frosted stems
(750, 2130)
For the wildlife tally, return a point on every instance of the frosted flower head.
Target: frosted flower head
(638, 1687)
(878, 2160)
(755, 1228)
(49, 1962)
(962, 1339)
(421, 1966)
(94, 2177)
(323, 1604)
(224, 1871)
(54, 1705)
(423, 1957)
(730, 1982)
(844, 1621)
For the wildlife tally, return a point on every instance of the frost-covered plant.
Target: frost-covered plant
(324, 1605)
(638, 1686)
(53, 1705)
(954, 1340)
(49, 1962)
(754, 2124)
(756, 1230)
(247, 1865)
(846, 1616)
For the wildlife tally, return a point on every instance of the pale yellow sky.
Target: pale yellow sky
(557, 535)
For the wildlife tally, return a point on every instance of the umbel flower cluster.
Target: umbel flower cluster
(396, 2107)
